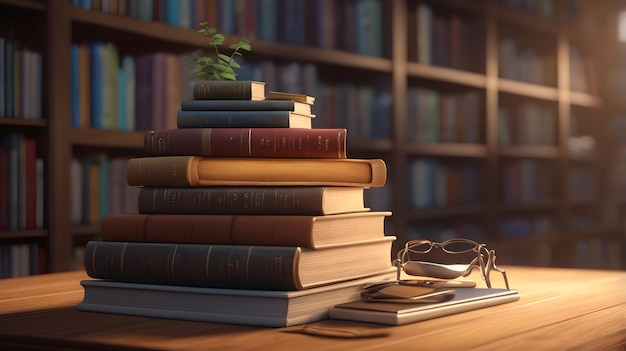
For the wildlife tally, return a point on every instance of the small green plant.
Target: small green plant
(218, 66)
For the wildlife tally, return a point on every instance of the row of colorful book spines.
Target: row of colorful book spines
(22, 259)
(21, 183)
(598, 254)
(178, 13)
(434, 116)
(525, 64)
(345, 25)
(99, 188)
(432, 184)
(115, 91)
(447, 39)
(355, 26)
(543, 8)
(527, 181)
(21, 85)
(526, 124)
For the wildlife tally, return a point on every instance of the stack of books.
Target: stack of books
(246, 215)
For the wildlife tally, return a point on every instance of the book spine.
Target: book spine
(237, 105)
(218, 90)
(266, 230)
(232, 200)
(247, 142)
(172, 171)
(233, 119)
(212, 266)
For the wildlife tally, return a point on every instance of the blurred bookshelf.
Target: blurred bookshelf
(493, 116)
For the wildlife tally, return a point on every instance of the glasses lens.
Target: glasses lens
(459, 245)
(420, 246)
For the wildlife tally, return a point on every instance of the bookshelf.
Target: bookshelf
(553, 227)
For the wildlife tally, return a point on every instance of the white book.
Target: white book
(233, 306)
(465, 299)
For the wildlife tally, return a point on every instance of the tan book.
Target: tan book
(205, 171)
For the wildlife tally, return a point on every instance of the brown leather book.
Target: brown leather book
(247, 142)
(313, 232)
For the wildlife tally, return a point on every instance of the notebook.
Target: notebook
(465, 299)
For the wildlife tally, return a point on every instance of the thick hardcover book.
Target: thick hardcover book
(247, 142)
(243, 119)
(465, 299)
(246, 200)
(245, 105)
(206, 171)
(233, 306)
(228, 90)
(235, 266)
(315, 232)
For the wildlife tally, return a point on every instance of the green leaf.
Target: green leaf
(229, 76)
(224, 58)
(234, 64)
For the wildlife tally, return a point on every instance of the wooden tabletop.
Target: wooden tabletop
(559, 309)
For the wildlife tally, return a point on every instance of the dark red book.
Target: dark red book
(247, 142)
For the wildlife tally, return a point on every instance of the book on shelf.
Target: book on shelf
(247, 142)
(252, 200)
(233, 306)
(314, 232)
(206, 171)
(254, 267)
(246, 105)
(243, 119)
(465, 299)
(228, 90)
(281, 95)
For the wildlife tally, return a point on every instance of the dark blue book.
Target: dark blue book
(242, 119)
(245, 105)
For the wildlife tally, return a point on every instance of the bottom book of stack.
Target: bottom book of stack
(234, 306)
(465, 299)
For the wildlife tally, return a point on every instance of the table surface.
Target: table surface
(558, 309)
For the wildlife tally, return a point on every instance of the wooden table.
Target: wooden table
(559, 309)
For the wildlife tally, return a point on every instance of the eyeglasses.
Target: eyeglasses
(447, 260)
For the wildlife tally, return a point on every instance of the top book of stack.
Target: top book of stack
(240, 104)
(229, 90)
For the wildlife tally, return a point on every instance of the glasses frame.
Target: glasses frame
(485, 260)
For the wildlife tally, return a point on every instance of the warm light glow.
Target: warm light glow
(621, 27)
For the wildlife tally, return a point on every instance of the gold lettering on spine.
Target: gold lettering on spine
(249, 140)
(277, 269)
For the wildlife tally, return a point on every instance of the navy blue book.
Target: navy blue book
(245, 105)
(243, 119)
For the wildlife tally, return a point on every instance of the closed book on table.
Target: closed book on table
(314, 232)
(263, 308)
(266, 200)
(236, 266)
(247, 142)
(207, 171)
